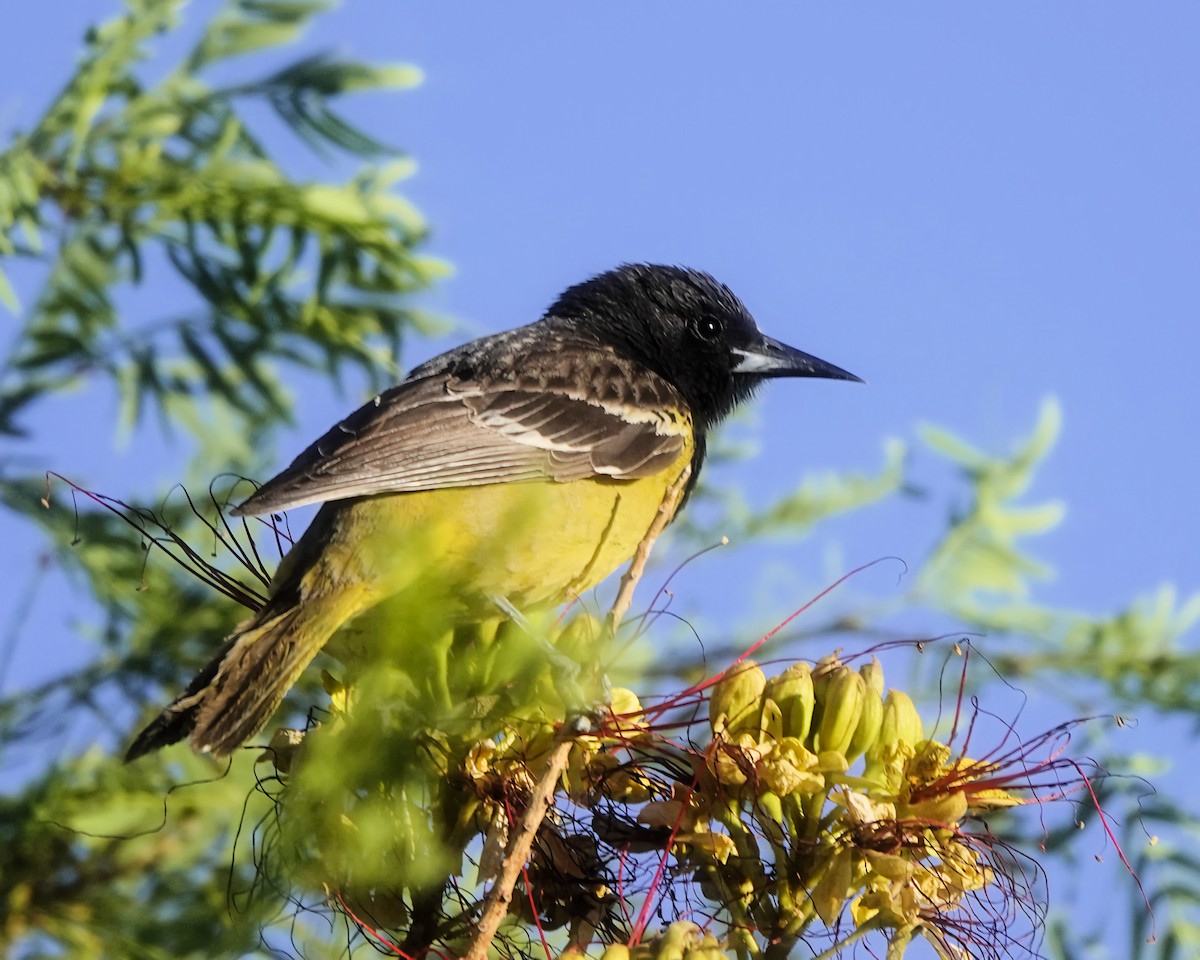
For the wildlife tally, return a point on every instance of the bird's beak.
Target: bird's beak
(770, 358)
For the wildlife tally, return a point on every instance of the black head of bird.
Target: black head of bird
(688, 328)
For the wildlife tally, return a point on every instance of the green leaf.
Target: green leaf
(232, 36)
(8, 296)
(287, 11)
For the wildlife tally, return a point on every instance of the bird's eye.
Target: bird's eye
(709, 328)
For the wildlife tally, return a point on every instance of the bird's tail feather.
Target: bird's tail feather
(253, 678)
(178, 718)
(233, 697)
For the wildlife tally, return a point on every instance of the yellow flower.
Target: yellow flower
(733, 759)
(788, 767)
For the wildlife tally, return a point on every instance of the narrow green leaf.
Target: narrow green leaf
(8, 296)
(287, 11)
(952, 447)
(358, 77)
(11, 404)
(231, 36)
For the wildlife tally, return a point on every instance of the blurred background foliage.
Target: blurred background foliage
(145, 169)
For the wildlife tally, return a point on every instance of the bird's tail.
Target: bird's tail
(233, 697)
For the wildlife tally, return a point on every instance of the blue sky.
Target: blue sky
(971, 206)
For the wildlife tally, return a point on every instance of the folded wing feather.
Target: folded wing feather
(438, 432)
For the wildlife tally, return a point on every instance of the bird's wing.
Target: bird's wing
(439, 431)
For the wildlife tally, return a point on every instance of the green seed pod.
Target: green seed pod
(842, 703)
(736, 703)
(792, 690)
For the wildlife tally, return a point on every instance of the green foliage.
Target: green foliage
(107, 879)
(127, 176)
(979, 559)
(142, 170)
(979, 574)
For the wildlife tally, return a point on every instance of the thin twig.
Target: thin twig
(631, 576)
(516, 854)
(495, 904)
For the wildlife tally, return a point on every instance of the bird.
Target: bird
(518, 469)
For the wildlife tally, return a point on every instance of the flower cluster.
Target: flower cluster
(815, 806)
(820, 790)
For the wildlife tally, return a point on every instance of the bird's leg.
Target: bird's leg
(508, 608)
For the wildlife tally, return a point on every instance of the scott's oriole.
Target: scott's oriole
(516, 470)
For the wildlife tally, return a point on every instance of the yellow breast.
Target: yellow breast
(421, 561)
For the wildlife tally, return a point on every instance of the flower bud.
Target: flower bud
(873, 673)
(944, 808)
(841, 706)
(869, 722)
(792, 690)
(736, 702)
(822, 672)
(677, 938)
(901, 722)
(770, 727)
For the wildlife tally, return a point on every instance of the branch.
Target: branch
(666, 511)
